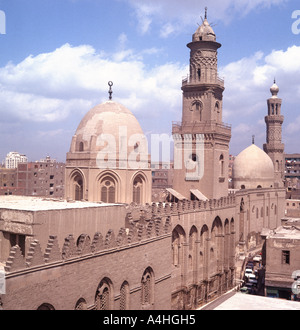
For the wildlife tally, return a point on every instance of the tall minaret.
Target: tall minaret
(202, 122)
(274, 146)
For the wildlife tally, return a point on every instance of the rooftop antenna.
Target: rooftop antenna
(110, 92)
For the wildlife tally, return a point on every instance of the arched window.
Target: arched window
(138, 189)
(81, 305)
(103, 295)
(124, 296)
(81, 147)
(199, 73)
(45, 307)
(178, 237)
(217, 242)
(147, 293)
(77, 187)
(192, 247)
(204, 246)
(108, 190)
(197, 109)
(217, 107)
(221, 160)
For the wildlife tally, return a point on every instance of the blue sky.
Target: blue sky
(58, 55)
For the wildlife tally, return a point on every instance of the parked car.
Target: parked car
(250, 265)
(244, 289)
(257, 258)
(249, 287)
(248, 272)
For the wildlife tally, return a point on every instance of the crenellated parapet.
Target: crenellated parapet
(186, 206)
(83, 246)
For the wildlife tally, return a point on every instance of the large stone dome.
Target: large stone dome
(110, 118)
(252, 169)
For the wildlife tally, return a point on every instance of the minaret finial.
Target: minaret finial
(110, 84)
(253, 139)
(205, 13)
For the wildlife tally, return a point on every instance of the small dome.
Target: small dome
(274, 90)
(204, 32)
(107, 118)
(252, 169)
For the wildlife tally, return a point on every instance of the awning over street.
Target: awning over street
(198, 194)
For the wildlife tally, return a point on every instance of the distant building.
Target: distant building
(44, 179)
(292, 208)
(162, 179)
(162, 175)
(292, 175)
(8, 182)
(282, 250)
(14, 158)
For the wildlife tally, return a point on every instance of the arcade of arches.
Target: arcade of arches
(204, 256)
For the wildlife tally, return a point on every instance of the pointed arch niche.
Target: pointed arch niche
(139, 190)
(77, 186)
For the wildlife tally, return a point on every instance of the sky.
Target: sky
(57, 56)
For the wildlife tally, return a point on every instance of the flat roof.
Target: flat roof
(288, 232)
(28, 203)
(242, 301)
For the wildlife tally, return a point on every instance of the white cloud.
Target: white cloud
(51, 86)
(64, 84)
(174, 14)
(248, 83)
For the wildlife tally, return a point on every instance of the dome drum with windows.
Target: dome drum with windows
(98, 167)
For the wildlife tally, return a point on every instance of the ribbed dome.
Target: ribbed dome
(253, 168)
(107, 118)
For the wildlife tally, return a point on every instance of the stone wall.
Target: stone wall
(69, 276)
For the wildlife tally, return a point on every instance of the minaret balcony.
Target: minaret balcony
(194, 82)
(195, 127)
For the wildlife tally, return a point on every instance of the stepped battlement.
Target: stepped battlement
(83, 246)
